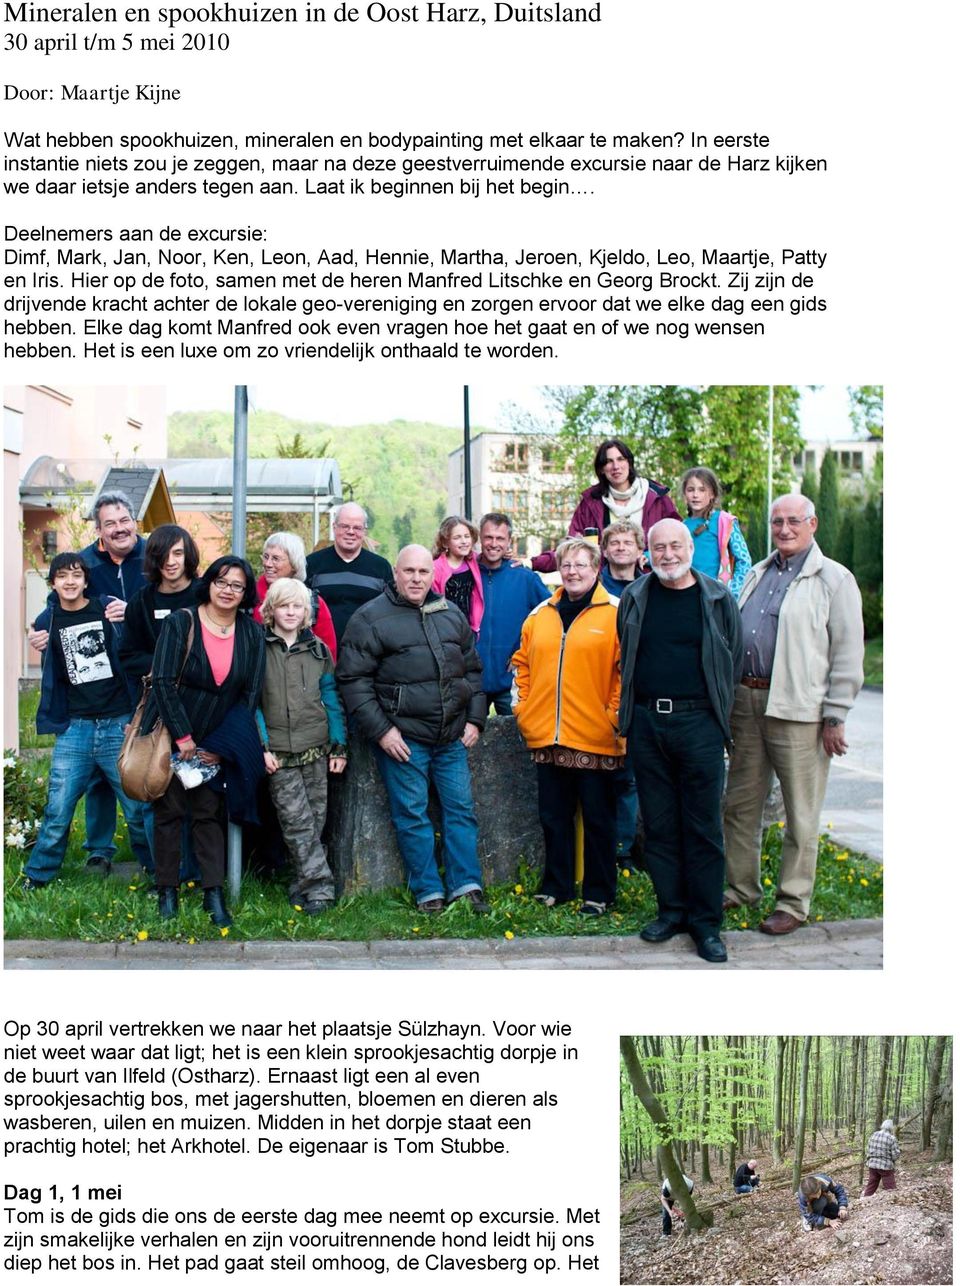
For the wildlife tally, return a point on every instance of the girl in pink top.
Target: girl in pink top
(456, 573)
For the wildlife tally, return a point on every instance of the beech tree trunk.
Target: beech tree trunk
(880, 1112)
(778, 1102)
(671, 1171)
(933, 1089)
(802, 1113)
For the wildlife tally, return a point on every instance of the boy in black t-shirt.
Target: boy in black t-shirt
(84, 701)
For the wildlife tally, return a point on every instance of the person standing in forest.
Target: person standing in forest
(883, 1152)
(668, 1202)
(821, 1198)
(747, 1178)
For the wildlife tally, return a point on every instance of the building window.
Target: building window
(555, 506)
(511, 458)
(511, 502)
(554, 460)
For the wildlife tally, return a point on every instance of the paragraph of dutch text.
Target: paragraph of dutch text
(416, 1088)
(206, 292)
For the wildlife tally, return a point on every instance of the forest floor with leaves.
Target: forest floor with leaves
(904, 1236)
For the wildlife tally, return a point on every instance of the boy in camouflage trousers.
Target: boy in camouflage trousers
(305, 734)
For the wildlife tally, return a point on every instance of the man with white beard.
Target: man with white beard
(681, 655)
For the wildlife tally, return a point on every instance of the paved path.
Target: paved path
(844, 944)
(854, 800)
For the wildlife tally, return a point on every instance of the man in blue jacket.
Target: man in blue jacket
(115, 563)
(509, 596)
(84, 701)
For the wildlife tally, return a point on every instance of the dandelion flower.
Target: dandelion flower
(297, 908)
(509, 935)
(224, 933)
(518, 888)
(626, 873)
(743, 924)
(191, 884)
(865, 883)
(842, 857)
(767, 881)
(781, 825)
(142, 935)
(192, 942)
(129, 916)
(416, 928)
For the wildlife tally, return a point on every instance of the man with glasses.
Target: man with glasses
(803, 667)
(345, 574)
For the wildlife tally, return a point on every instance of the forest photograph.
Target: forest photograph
(786, 1159)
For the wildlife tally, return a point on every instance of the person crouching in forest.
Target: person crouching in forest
(747, 1178)
(305, 733)
(669, 1204)
(883, 1152)
(821, 1198)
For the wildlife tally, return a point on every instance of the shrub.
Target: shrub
(872, 612)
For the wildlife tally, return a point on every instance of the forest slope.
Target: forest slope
(905, 1236)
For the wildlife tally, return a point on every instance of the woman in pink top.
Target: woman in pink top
(456, 573)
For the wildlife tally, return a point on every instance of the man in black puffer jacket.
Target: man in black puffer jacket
(411, 681)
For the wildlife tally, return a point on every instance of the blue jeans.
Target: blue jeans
(87, 745)
(744, 1188)
(100, 812)
(408, 788)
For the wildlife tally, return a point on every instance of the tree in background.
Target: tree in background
(828, 510)
(671, 1170)
(866, 409)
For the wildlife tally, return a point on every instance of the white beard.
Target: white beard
(677, 574)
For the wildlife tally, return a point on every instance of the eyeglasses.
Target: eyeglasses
(576, 567)
(788, 522)
(230, 586)
(349, 526)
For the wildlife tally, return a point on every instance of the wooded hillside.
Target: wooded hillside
(796, 1104)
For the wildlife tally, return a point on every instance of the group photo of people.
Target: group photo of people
(661, 679)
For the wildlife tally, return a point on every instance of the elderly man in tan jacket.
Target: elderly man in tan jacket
(803, 667)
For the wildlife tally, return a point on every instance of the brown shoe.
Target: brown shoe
(729, 904)
(779, 923)
(432, 906)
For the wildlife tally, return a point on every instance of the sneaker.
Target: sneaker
(806, 1225)
(593, 908)
(545, 900)
(474, 899)
(101, 866)
(33, 886)
(318, 906)
(432, 906)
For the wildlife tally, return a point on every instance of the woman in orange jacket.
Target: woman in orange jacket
(566, 694)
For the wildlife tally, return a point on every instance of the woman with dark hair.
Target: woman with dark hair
(620, 492)
(207, 674)
(170, 565)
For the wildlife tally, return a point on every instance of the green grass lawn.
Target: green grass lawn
(873, 662)
(91, 909)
